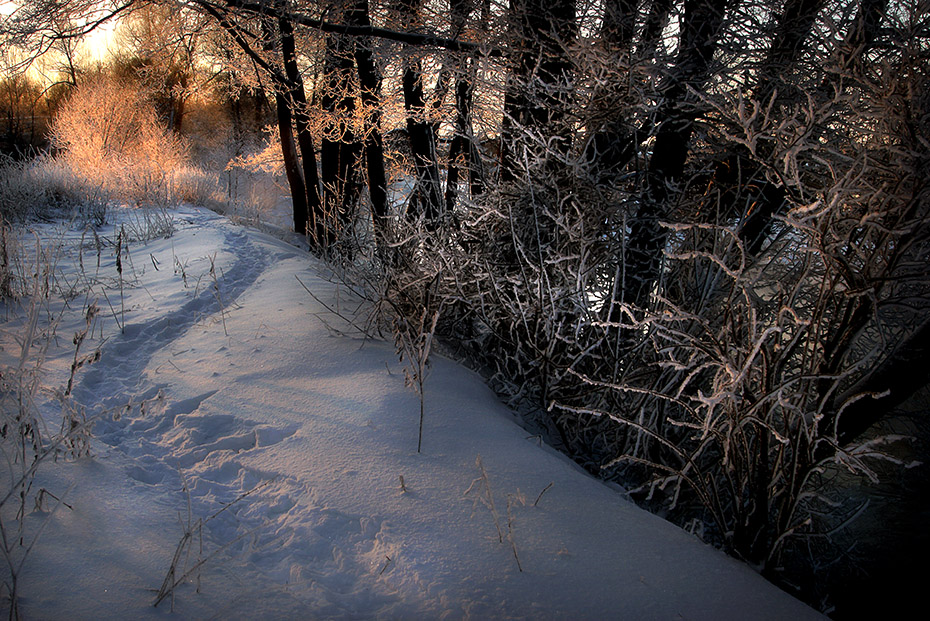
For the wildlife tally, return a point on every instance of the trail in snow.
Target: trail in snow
(302, 443)
(171, 441)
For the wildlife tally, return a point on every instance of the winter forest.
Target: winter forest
(684, 242)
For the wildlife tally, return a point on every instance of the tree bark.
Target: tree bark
(619, 24)
(462, 151)
(765, 199)
(612, 139)
(369, 78)
(656, 20)
(537, 96)
(292, 169)
(339, 149)
(315, 225)
(699, 38)
(425, 201)
(292, 172)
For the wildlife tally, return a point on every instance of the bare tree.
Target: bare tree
(340, 148)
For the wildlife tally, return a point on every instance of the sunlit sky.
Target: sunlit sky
(98, 42)
(94, 45)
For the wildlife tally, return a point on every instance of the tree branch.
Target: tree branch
(277, 76)
(410, 38)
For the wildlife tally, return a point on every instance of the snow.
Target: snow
(258, 399)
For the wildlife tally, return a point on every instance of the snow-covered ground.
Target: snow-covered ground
(260, 401)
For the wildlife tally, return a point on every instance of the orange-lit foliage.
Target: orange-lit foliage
(108, 133)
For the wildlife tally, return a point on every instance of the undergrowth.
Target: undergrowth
(41, 421)
(28, 438)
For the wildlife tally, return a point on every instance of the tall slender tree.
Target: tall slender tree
(463, 151)
(426, 199)
(315, 226)
(699, 37)
(538, 95)
(369, 77)
(340, 148)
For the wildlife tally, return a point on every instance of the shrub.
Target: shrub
(109, 136)
(46, 186)
(190, 184)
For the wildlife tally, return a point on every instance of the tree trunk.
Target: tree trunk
(656, 20)
(315, 225)
(699, 36)
(766, 200)
(425, 201)
(292, 172)
(292, 169)
(537, 96)
(462, 151)
(611, 143)
(794, 27)
(340, 148)
(619, 24)
(369, 78)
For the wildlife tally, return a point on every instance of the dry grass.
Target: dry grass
(27, 440)
(41, 422)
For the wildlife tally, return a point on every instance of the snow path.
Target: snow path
(177, 439)
(308, 439)
(138, 342)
